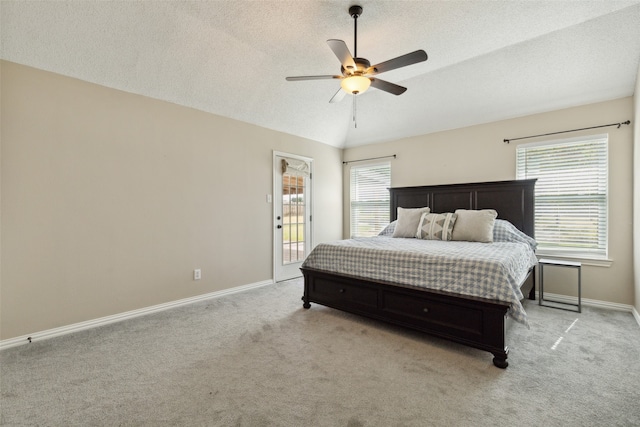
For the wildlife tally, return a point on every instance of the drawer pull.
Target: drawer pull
(426, 310)
(341, 291)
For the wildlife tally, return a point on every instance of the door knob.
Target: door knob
(279, 226)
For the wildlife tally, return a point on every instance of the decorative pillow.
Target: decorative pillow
(504, 231)
(388, 230)
(475, 225)
(408, 220)
(436, 226)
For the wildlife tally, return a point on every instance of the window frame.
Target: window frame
(353, 231)
(574, 252)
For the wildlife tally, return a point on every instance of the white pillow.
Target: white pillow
(474, 225)
(408, 220)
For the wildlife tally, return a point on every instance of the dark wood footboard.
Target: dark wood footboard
(472, 321)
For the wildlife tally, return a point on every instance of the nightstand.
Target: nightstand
(558, 304)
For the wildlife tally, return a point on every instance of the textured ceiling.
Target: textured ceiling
(488, 60)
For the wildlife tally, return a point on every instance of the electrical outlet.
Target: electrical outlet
(197, 274)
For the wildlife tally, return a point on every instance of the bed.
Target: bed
(471, 320)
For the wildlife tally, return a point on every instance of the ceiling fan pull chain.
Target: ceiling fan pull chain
(355, 123)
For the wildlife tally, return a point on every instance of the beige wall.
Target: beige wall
(477, 153)
(110, 200)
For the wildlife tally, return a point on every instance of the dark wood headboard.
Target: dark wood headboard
(513, 200)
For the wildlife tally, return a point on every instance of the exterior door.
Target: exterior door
(292, 201)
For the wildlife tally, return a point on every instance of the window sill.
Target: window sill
(594, 262)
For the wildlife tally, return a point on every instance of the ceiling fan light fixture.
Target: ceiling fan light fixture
(355, 84)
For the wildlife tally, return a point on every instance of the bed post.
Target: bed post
(532, 292)
(305, 296)
(500, 359)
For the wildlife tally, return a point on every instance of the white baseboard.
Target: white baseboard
(76, 327)
(636, 315)
(592, 303)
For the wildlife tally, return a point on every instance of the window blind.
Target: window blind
(570, 195)
(369, 196)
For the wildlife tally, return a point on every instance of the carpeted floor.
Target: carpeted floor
(258, 358)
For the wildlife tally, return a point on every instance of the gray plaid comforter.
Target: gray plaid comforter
(488, 270)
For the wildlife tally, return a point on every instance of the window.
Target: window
(369, 199)
(571, 194)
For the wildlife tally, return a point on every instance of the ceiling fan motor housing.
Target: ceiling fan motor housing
(362, 66)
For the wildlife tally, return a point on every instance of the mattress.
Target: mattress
(487, 270)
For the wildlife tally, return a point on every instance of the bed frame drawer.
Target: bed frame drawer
(427, 312)
(343, 293)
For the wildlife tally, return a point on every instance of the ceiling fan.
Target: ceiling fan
(357, 73)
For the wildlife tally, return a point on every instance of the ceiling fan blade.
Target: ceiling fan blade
(388, 87)
(298, 78)
(342, 52)
(338, 96)
(400, 61)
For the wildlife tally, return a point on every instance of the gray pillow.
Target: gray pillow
(436, 226)
(408, 220)
(389, 229)
(474, 225)
(504, 231)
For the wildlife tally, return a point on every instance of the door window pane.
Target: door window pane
(293, 217)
